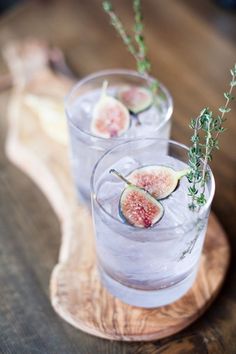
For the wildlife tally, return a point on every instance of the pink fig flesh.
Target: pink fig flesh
(110, 117)
(135, 98)
(139, 208)
(159, 181)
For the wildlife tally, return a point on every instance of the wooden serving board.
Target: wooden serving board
(76, 292)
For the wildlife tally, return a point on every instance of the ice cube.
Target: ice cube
(110, 187)
(151, 117)
(126, 165)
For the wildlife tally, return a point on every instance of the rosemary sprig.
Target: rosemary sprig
(206, 130)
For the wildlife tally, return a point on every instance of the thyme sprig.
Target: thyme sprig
(138, 50)
(143, 64)
(206, 130)
(137, 45)
(117, 24)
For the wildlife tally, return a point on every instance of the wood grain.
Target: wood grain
(76, 292)
(78, 296)
(192, 47)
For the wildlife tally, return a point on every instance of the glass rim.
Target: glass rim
(203, 209)
(100, 73)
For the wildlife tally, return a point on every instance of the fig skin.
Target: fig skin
(138, 208)
(110, 117)
(160, 181)
(136, 99)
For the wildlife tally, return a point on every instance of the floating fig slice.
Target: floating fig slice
(110, 117)
(135, 98)
(137, 206)
(160, 181)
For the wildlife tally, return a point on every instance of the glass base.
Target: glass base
(147, 299)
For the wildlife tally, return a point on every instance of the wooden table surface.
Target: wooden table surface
(192, 47)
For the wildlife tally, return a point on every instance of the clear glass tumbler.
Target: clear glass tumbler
(87, 148)
(147, 267)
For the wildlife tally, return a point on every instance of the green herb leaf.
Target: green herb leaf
(224, 109)
(206, 129)
(228, 96)
(136, 45)
(233, 83)
(107, 6)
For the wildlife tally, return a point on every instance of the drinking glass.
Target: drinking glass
(87, 148)
(147, 267)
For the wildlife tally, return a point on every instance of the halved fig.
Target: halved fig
(110, 117)
(160, 181)
(136, 99)
(138, 207)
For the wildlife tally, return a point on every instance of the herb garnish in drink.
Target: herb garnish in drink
(138, 51)
(206, 129)
(136, 99)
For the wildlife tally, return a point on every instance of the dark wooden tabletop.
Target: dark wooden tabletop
(192, 46)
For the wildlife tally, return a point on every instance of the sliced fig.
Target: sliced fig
(138, 207)
(136, 99)
(160, 181)
(110, 117)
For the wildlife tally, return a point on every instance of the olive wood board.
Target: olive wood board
(76, 292)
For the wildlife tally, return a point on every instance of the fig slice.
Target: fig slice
(160, 181)
(136, 99)
(138, 207)
(110, 117)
